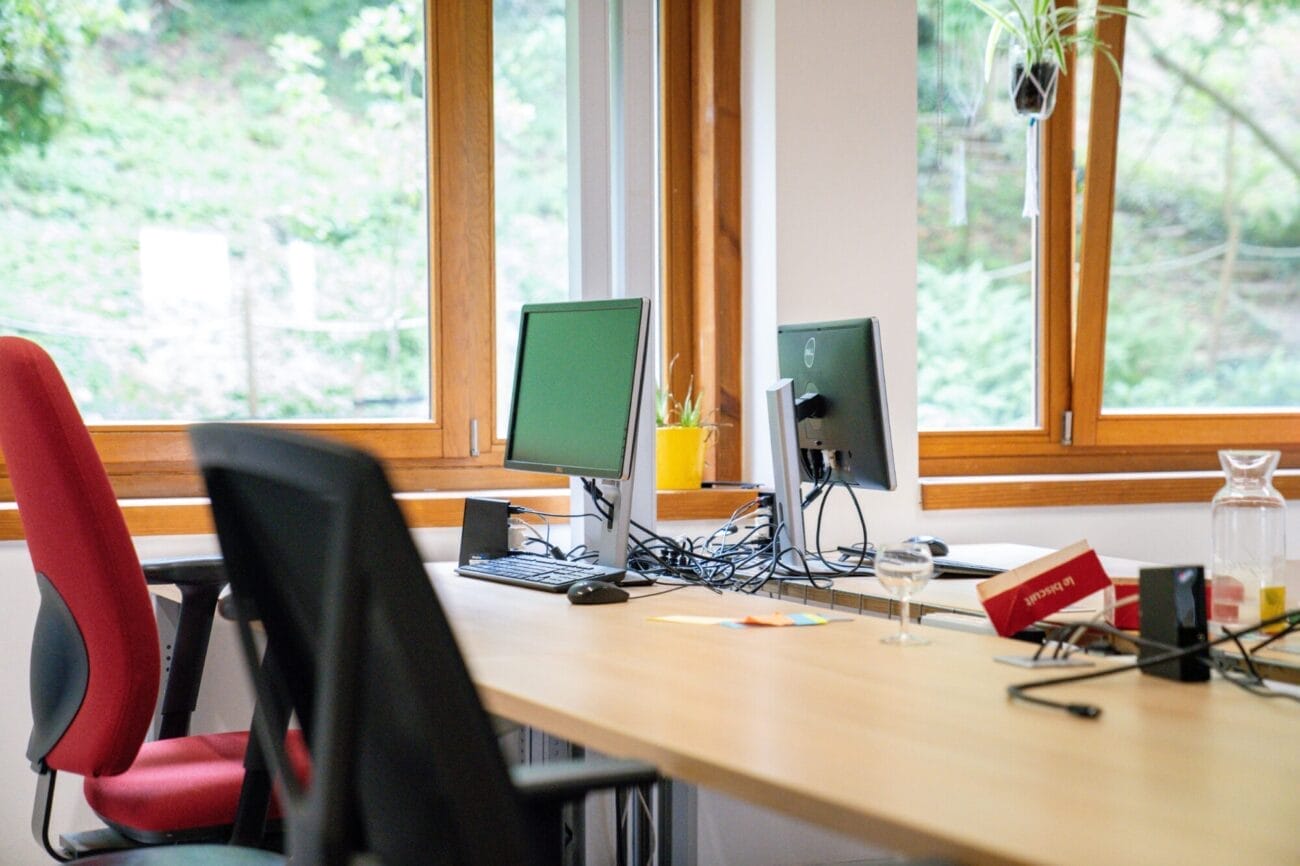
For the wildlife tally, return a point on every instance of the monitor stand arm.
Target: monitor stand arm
(787, 517)
(612, 544)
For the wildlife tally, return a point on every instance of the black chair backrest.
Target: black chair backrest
(405, 764)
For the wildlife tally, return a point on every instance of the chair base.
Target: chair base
(188, 855)
(87, 842)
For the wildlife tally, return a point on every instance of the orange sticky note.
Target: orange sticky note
(768, 619)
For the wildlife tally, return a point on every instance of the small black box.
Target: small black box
(485, 529)
(1172, 602)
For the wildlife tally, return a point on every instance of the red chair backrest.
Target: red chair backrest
(77, 539)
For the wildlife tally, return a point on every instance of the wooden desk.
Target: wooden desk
(918, 749)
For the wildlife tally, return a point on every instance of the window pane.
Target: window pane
(228, 217)
(975, 304)
(1205, 277)
(531, 173)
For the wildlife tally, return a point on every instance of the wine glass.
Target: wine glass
(904, 570)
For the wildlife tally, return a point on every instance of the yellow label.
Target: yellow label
(1272, 602)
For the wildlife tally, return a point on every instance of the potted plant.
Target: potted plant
(1040, 32)
(679, 441)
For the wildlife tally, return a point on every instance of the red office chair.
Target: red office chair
(95, 653)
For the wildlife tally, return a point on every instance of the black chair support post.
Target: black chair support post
(405, 763)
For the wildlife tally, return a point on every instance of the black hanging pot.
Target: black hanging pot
(1033, 86)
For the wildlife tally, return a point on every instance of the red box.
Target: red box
(1122, 608)
(1021, 597)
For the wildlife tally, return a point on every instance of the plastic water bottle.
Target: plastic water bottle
(1249, 542)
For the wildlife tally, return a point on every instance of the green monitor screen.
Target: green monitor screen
(577, 387)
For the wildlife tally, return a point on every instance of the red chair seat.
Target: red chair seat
(184, 783)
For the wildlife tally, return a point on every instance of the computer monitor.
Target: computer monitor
(579, 374)
(828, 415)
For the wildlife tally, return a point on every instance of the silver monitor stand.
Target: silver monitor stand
(787, 516)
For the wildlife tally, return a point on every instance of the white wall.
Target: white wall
(828, 100)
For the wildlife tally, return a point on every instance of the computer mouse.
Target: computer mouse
(596, 592)
(936, 545)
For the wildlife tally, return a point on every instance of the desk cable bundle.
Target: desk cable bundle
(744, 565)
(717, 561)
(1252, 681)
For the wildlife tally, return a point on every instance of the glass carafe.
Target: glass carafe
(1249, 541)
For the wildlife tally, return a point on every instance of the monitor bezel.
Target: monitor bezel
(642, 305)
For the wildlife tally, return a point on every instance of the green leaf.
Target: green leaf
(991, 49)
(999, 18)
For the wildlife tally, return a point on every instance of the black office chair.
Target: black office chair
(405, 764)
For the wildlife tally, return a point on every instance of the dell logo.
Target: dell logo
(809, 352)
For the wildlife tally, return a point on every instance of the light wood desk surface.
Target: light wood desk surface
(918, 749)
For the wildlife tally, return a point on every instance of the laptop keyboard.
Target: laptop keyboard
(538, 572)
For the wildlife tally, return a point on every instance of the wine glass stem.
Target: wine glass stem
(905, 613)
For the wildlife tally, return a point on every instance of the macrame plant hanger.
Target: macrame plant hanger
(1033, 92)
(953, 163)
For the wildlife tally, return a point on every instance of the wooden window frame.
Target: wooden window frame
(1201, 433)
(703, 316)
(1071, 330)
(154, 462)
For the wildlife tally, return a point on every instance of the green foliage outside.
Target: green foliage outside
(974, 294)
(1205, 283)
(39, 39)
(974, 339)
(530, 170)
(265, 124)
(290, 134)
(1209, 159)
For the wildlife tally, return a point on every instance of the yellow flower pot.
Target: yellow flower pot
(679, 457)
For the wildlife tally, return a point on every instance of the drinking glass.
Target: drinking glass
(904, 570)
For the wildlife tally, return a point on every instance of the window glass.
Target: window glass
(975, 283)
(1205, 264)
(216, 209)
(531, 172)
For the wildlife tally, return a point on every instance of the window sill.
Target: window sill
(1073, 490)
(190, 516)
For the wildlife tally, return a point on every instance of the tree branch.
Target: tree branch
(1191, 79)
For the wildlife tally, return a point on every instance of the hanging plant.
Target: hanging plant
(1040, 32)
(1033, 85)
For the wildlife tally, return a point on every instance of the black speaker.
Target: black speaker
(1172, 603)
(485, 529)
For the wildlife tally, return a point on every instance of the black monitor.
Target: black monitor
(839, 389)
(828, 414)
(579, 374)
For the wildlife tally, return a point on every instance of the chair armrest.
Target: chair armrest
(200, 580)
(185, 570)
(565, 781)
(228, 607)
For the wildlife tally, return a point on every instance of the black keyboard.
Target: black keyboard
(538, 572)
